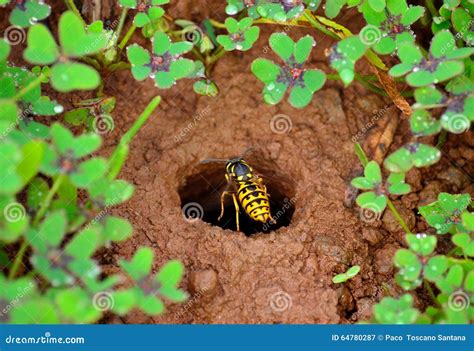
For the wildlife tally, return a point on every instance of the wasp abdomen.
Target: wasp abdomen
(254, 200)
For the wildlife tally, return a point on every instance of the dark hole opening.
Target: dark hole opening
(201, 195)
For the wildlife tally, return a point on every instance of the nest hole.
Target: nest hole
(201, 192)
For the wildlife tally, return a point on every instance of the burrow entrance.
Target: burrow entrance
(201, 192)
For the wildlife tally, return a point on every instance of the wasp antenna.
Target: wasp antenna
(247, 151)
(214, 160)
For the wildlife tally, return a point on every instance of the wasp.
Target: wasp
(248, 191)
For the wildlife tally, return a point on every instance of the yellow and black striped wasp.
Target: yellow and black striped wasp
(248, 191)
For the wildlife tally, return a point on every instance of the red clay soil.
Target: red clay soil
(282, 276)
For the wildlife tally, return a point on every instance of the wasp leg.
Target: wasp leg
(236, 204)
(272, 219)
(223, 195)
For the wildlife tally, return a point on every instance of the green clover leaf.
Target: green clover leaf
(16, 79)
(165, 64)
(11, 289)
(48, 259)
(412, 155)
(387, 30)
(333, 7)
(416, 263)
(465, 242)
(280, 11)
(29, 12)
(349, 274)
(148, 10)
(242, 35)
(14, 219)
(459, 103)
(344, 55)
(12, 156)
(77, 306)
(4, 50)
(461, 19)
(65, 155)
(445, 214)
(393, 311)
(443, 63)
(169, 278)
(149, 287)
(75, 42)
(376, 200)
(140, 265)
(422, 124)
(206, 87)
(302, 83)
(32, 311)
(235, 6)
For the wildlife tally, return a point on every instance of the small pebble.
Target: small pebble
(203, 282)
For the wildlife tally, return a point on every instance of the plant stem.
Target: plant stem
(362, 80)
(118, 157)
(361, 154)
(216, 56)
(18, 259)
(47, 201)
(428, 288)
(345, 32)
(198, 54)
(72, 6)
(431, 7)
(442, 139)
(119, 66)
(369, 85)
(217, 24)
(123, 16)
(30, 86)
(397, 215)
(315, 24)
(127, 36)
(44, 206)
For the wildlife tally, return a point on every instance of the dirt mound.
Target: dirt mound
(305, 157)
